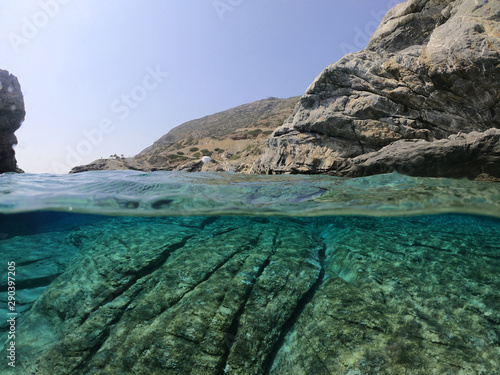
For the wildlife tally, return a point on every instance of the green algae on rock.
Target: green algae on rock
(269, 295)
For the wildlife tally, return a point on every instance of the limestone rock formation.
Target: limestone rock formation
(474, 155)
(11, 116)
(431, 70)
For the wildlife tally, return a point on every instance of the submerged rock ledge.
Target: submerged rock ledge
(235, 295)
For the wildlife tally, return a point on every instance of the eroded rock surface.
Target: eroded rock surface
(234, 295)
(474, 155)
(11, 116)
(431, 70)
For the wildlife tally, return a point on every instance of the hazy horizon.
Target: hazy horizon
(101, 79)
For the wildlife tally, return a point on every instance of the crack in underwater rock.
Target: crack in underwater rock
(301, 304)
(318, 357)
(233, 328)
(492, 320)
(149, 269)
(251, 245)
(146, 270)
(104, 334)
(28, 262)
(205, 278)
(102, 337)
(34, 283)
(435, 248)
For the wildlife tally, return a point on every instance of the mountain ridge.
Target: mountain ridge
(232, 139)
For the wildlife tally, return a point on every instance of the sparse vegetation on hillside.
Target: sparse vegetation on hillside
(255, 132)
(237, 135)
(268, 113)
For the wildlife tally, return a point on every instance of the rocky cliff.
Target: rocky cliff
(11, 116)
(431, 71)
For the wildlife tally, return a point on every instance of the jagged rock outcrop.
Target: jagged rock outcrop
(431, 70)
(111, 164)
(11, 116)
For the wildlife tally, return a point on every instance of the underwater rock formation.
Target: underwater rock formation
(430, 70)
(241, 295)
(11, 116)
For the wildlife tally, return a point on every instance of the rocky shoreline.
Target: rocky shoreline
(429, 77)
(422, 99)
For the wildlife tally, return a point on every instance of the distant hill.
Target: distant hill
(234, 139)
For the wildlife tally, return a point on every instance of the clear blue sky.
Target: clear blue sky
(102, 77)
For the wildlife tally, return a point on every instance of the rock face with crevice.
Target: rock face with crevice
(11, 116)
(250, 295)
(431, 70)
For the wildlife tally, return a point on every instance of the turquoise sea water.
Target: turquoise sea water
(212, 273)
